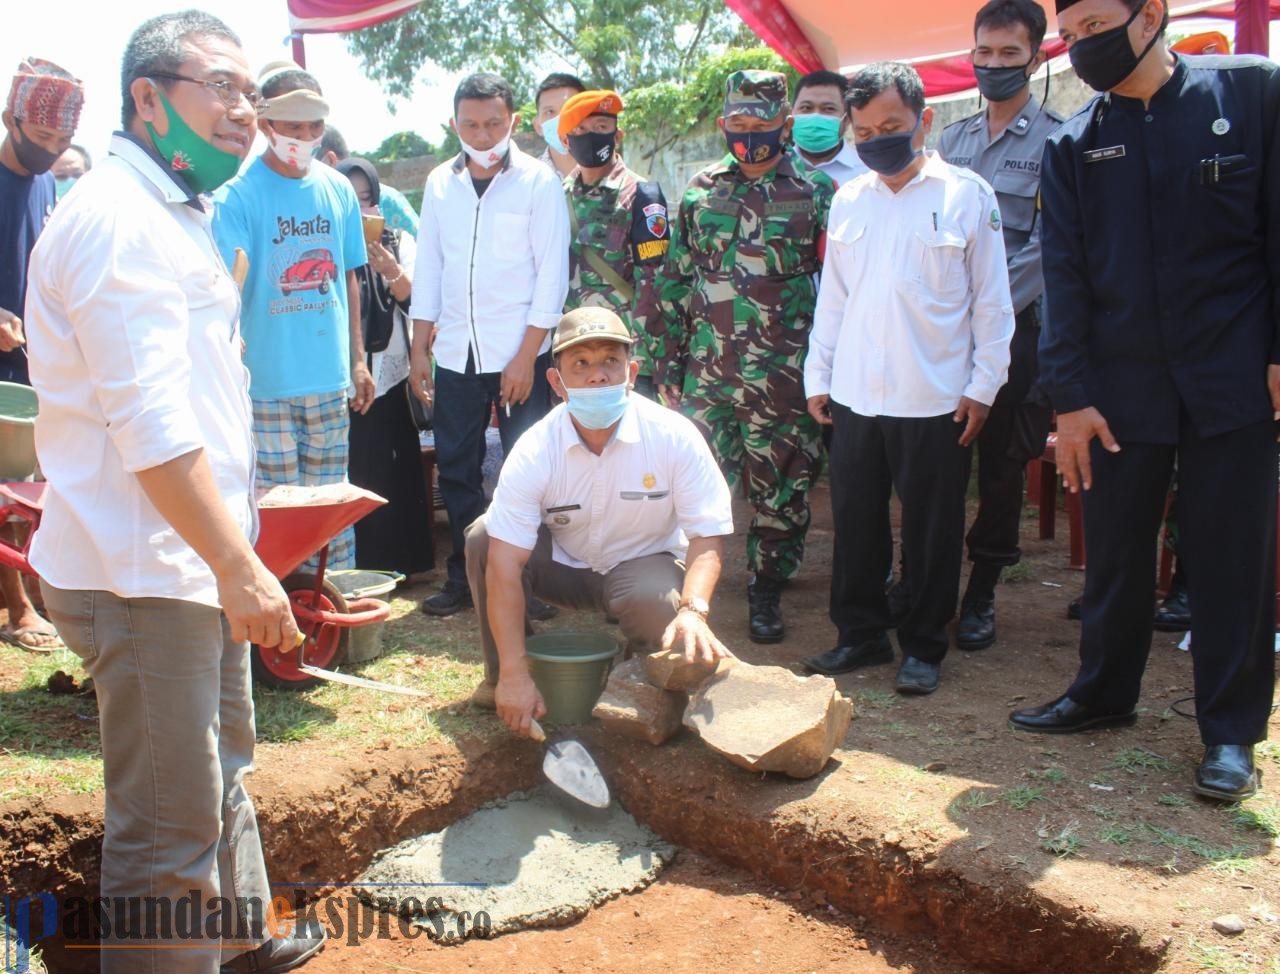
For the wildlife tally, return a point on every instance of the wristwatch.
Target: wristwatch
(696, 604)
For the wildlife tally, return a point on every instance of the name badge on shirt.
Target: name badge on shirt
(1100, 155)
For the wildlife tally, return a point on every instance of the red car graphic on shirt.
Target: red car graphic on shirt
(314, 269)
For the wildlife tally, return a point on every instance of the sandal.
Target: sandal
(34, 639)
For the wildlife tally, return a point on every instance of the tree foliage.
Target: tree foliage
(403, 145)
(620, 44)
(667, 110)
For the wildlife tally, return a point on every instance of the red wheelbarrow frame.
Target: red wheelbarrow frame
(295, 523)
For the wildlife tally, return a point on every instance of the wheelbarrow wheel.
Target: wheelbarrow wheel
(277, 667)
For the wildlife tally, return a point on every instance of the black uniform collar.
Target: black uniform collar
(1168, 91)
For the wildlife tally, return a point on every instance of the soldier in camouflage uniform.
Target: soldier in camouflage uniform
(618, 223)
(737, 296)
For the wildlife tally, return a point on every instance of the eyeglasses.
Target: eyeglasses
(227, 93)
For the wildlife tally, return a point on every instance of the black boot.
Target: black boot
(1174, 613)
(764, 609)
(977, 626)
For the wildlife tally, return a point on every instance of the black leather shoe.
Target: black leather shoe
(1065, 716)
(977, 626)
(842, 659)
(1227, 773)
(1073, 610)
(1174, 613)
(539, 611)
(764, 610)
(452, 598)
(279, 955)
(916, 676)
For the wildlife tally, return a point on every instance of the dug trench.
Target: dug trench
(324, 818)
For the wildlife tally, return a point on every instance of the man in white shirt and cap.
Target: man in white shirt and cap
(612, 502)
(910, 345)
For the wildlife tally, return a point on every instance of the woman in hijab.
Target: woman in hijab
(385, 453)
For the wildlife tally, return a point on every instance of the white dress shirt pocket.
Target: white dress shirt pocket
(936, 263)
(510, 236)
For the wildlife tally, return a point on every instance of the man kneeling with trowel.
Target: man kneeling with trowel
(611, 502)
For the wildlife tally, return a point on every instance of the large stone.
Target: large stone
(671, 671)
(631, 706)
(765, 718)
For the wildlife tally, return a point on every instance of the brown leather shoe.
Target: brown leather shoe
(483, 696)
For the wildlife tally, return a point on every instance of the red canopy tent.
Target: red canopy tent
(813, 34)
(933, 34)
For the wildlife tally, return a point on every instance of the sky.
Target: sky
(87, 37)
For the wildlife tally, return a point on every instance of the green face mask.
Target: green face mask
(201, 164)
(816, 133)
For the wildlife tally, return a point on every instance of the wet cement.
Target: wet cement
(534, 859)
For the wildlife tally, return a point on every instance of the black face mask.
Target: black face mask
(1105, 60)
(755, 147)
(35, 159)
(1001, 84)
(889, 154)
(592, 149)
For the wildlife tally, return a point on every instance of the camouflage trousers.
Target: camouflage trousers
(775, 450)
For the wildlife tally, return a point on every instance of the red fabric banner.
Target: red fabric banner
(332, 16)
(773, 25)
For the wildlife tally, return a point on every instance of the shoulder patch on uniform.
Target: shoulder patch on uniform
(994, 218)
(655, 218)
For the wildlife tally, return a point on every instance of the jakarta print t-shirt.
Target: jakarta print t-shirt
(301, 236)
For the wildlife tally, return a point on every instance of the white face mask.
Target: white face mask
(488, 158)
(294, 153)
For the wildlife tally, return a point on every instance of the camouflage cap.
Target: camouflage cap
(589, 324)
(759, 93)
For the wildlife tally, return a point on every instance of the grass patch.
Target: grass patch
(1021, 572)
(1118, 834)
(1190, 843)
(1259, 814)
(1022, 796)
(1065, 844)
(1210, 957)
(875, 699)
(1139, 759)
(1055, 776)
(973, 800)
(1173, 801)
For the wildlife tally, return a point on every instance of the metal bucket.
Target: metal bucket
(363, 642)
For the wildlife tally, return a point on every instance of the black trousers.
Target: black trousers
(462, 406)
(922, 460)
(1013, 435)
(1227, 523)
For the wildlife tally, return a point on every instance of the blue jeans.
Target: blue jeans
(462, 408)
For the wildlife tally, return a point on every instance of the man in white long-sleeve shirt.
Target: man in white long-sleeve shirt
(492, 276)
(910, 345)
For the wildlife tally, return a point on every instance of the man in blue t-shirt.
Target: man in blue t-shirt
(40, 117)
(299, 227)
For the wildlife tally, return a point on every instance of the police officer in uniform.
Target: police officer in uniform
(1003, 145)
(1161, 228)
(738, 294)
(618, 224)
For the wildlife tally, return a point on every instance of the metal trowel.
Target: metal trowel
(570, 768)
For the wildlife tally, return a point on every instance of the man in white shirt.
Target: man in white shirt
(144, 550)
(910, 338)
(492, 276)
(820, 125)
(612, 503)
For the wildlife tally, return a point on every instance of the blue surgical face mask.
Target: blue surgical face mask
(889, 154)
(551, 135)
(597, 407)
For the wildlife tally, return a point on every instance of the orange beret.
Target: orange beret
(584, 104)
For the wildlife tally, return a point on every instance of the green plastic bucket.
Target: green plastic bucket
(17, 431)
(570, 670)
